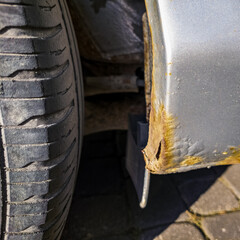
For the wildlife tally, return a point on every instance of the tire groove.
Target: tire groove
(45, 227)
(16, 4)
(26, 123)
(30, 32)
(58, 52)
(37, 71)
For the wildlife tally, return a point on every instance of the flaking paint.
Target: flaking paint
(164, 136)
(233, 158)
(159, 154)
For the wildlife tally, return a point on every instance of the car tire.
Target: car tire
(41, 118)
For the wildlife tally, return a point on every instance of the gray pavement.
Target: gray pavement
(201, 204)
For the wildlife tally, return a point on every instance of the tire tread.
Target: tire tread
(39, 97)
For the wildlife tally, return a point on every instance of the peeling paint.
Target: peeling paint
(158, 153)
(233, 158)
(191, 160)
(179, 135)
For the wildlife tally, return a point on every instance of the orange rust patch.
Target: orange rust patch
(191, 160)
(233, 158)
(158, 152)
(147, 63)
(168, 74)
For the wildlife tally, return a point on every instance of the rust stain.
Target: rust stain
(233, 158)
(191, 160)
(168, 74)
(158, 153)
(147, 63)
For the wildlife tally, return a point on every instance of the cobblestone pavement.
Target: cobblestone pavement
(197, 205)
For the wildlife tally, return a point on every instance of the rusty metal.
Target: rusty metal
(147, 63)
(195, 96)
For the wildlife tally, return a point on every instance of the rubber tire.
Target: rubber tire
(41, 113)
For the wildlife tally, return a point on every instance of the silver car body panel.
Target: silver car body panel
(195, 96)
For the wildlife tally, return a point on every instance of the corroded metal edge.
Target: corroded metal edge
(159, 154)
(147, 63)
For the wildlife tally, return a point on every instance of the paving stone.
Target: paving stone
(183, 217)
(222, 227)
(179, 231)
(204, 196)
(164, 204)
(231, 176)
(106, 215)
(96, 216)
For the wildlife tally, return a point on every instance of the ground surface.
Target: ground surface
(201, 204)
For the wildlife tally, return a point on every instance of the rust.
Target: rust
(191, 160)
(232, 158)
(163, 151)
(159, 154)
(147, 63)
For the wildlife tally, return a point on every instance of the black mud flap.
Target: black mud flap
(137, 140)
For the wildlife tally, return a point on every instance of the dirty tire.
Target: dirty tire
(40, 116)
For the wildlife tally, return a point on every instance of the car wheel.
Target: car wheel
(41, 115)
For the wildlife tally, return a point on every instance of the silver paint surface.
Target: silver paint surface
(196, 47)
